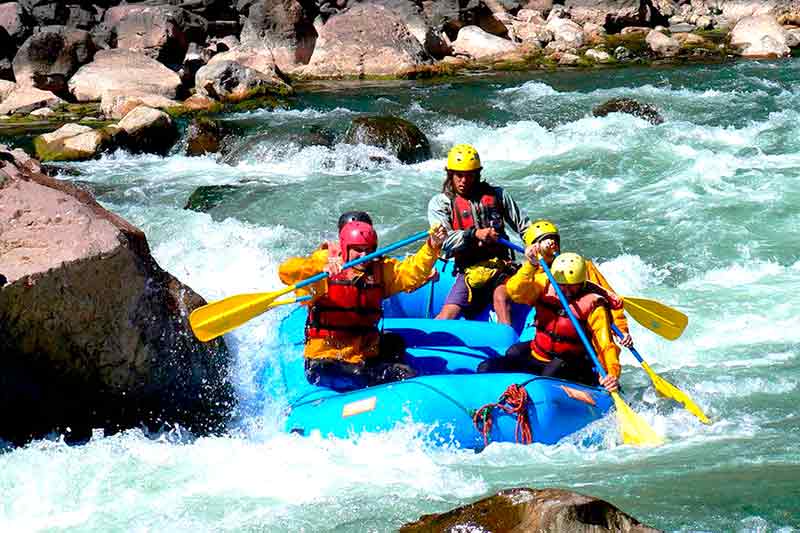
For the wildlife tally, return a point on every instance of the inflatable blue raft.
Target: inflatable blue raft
(453, 403)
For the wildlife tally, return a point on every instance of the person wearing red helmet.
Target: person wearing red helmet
(344, 349)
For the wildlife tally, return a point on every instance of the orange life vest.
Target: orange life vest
(555, 334)
(352, 306)
(489, 210)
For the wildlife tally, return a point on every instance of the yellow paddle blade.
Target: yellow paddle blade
(212, 320)
(668, 390)
(633, 427)
(657, 317)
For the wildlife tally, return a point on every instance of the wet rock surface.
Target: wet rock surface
(532, 510)
(398, 136)
(632, 107)
(94, 334)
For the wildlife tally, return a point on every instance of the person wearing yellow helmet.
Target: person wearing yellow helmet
(475, 214)
(556, 349)
(545, 239)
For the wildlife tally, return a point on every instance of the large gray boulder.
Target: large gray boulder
(476, 43)
(612, 14)
(148, 130)
(230, 81)
(123, 72)
(160, 32)
(93, 333)
(760, 36)
(662, 45)
(284, 28)
(365, 40)
(49, 57)
(535, 510)
(24, 99)
(12, 20)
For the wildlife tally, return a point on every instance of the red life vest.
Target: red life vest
(352, 306)
(489, 210)
(555, 334)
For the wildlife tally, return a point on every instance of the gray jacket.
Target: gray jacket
(440, 210)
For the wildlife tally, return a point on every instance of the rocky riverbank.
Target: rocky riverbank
(94, 62)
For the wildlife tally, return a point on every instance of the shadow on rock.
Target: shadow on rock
(94, 334)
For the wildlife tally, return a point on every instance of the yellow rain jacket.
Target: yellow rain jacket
(406, 275)
(529, 283)
(594, 275)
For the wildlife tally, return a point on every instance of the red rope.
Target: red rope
(513, 401)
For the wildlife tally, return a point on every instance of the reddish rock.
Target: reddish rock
(116, 106)
(11, 19)
(49, 57)
(160, 32)
(123, 72)
(197, 102)
(93, 332)
(282, 28)
(531, 510)
(24, 99)
(365, 40)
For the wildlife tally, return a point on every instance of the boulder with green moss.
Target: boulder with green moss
(396, 135)
(73, 142)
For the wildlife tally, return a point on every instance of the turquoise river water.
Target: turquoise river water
(701, 212)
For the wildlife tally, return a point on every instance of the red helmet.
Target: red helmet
(357, 234)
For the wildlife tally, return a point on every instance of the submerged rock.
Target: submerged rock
(542, 511)
(252, 146)
(207, 197)
(94, 334)
(203, 136)
(400, 137)
(632, 107)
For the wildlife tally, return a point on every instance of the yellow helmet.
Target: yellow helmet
(463, 158)
(569, 269)
(538, 230)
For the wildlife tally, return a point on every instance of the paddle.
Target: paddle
(664, 387)
(212, 320)
(655, 316)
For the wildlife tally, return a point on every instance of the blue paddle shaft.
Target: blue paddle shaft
(632, 349)
(369, 257)
(575, 323)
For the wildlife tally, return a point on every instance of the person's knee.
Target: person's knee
(449, 312)
(501, 295)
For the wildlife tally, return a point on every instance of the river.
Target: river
(701, 212)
